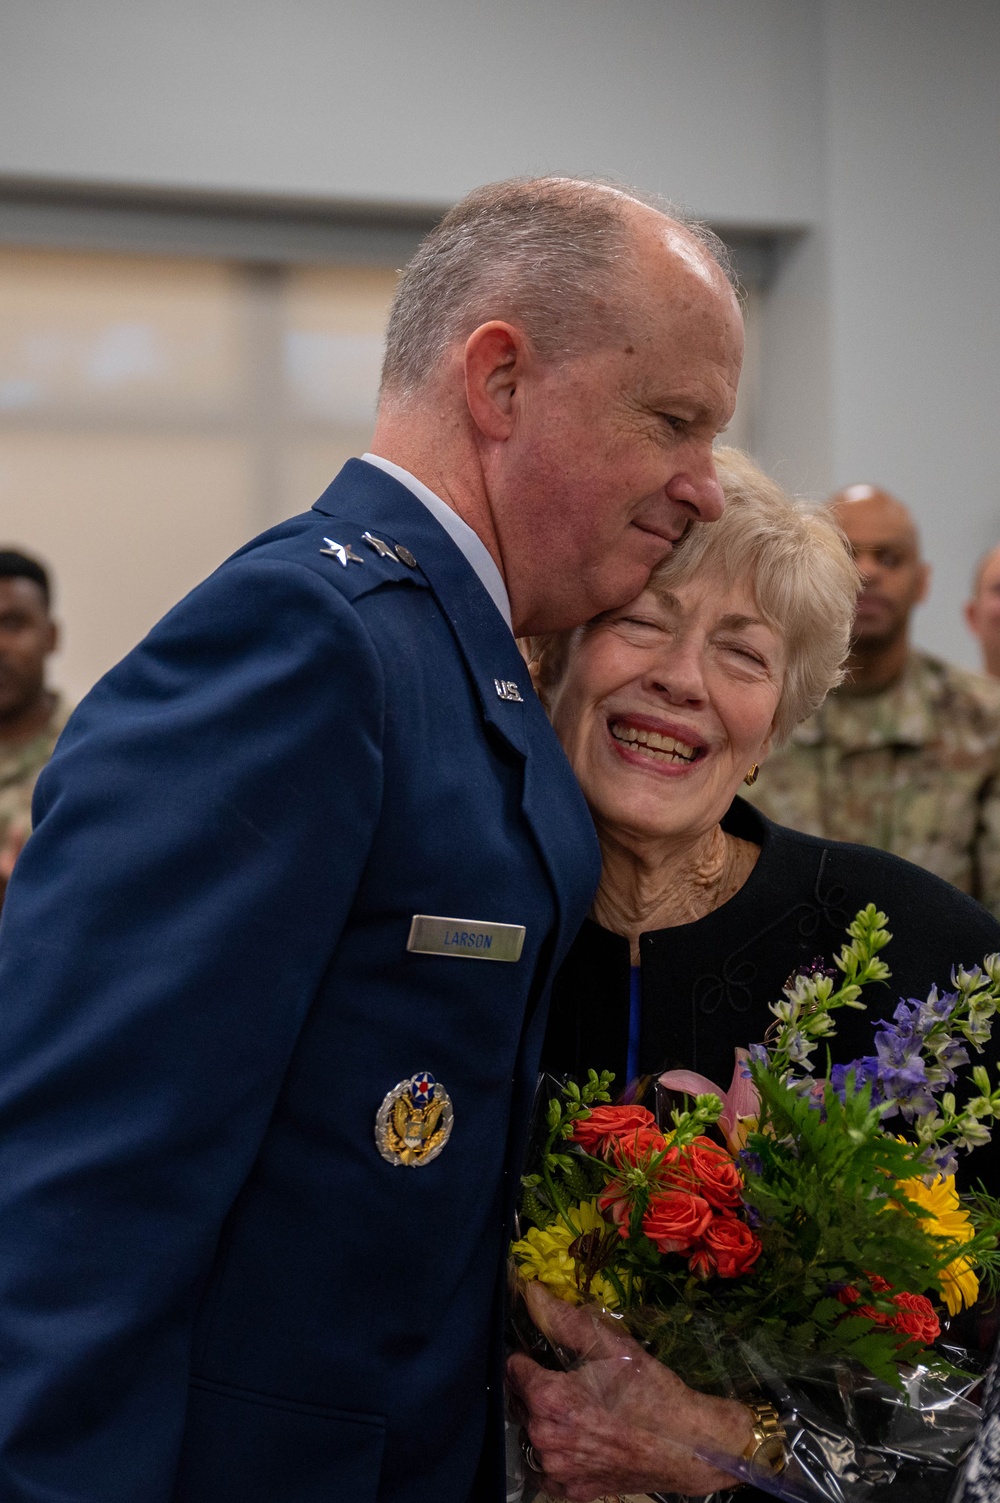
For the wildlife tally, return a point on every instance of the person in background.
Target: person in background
(31, 714)
(982, 612)
(905, 754)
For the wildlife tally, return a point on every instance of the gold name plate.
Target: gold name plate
(467, 939)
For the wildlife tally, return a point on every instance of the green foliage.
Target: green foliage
(565, 1177)
(690, 1124)
(984, 1210)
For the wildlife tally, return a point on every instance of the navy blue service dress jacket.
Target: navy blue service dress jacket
(213, 1288)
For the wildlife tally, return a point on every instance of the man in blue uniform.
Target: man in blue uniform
(274, 965)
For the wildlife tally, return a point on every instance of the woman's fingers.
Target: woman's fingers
(577, 1328)
(638, 1438)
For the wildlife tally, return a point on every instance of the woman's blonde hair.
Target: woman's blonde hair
(800, 569)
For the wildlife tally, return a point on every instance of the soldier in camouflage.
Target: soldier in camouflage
(982, 611)
(31, 715)
(905, 755)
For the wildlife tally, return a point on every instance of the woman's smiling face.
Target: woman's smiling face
(665, 704)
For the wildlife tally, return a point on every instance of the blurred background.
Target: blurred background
(203, 207)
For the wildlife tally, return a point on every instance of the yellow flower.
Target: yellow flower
(545, 1255)
(948, 1218)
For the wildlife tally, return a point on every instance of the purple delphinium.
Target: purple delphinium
(949, 1054)
(750, 1162)
(866, 1073)
(942, 1159)
(903, 1078)
(902, 1073)
(759, 1055)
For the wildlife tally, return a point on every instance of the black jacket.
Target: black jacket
(706, 985)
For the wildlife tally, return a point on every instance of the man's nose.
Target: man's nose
(698, 486)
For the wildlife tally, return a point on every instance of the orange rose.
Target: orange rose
(701, 1264)
(730, 1245)
(916, 1318)
(716, 1176)
(606, 1123)
(614, 1201)
(638, 1146)
(676, 1220)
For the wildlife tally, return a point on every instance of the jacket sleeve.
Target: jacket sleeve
(200, 836)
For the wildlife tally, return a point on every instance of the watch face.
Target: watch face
(771, 1454)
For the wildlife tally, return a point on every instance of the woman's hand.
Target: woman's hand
(620, 1421)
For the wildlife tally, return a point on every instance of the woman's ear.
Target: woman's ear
(767, 744)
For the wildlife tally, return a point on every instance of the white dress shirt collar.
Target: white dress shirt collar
(461, 534)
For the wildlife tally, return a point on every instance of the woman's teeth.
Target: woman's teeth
(652, 744)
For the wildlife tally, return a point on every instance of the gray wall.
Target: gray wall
(913, 222)
(870, 127)
(417, 100)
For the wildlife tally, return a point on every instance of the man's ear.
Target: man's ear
(495, 358)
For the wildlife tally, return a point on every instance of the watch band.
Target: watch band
(767, 1445)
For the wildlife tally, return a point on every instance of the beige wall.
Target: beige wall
(156, 413)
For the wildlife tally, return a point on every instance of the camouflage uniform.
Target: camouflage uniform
(20, 764)
(914, 770)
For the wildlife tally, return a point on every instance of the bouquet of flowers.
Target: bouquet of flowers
(800, 1233)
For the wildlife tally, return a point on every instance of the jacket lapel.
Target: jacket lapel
(550, 797)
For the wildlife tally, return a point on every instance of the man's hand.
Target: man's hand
(621, 1421)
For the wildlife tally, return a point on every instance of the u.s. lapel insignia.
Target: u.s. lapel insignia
(340, 552)
(507, 689)
(380, 547)
(414, 1121)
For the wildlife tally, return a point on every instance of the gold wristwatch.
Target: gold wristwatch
(767, 1446)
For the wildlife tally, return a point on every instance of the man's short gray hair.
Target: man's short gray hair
(552, 255)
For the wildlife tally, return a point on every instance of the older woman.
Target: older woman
(664, 708)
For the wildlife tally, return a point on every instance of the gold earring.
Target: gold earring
(752, 776)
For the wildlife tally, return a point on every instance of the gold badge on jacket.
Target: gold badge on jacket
(414, 1121)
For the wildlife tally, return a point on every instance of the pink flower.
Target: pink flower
(740, 1104)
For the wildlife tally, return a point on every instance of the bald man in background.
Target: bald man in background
(982, 612)
(905, 755)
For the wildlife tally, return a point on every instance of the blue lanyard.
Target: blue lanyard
(634, 1023)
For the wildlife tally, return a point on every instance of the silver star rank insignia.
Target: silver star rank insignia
(340, 552)
(381, 548)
